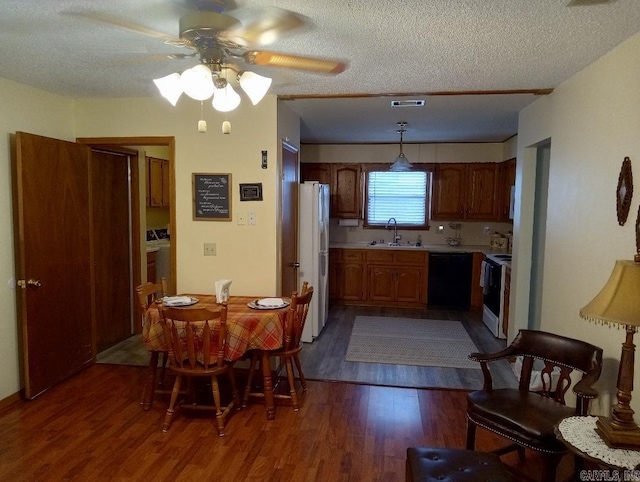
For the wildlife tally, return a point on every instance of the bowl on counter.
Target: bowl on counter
(454, 241)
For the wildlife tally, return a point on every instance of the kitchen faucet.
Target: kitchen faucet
(396, 236)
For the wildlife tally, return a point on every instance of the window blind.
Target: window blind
(399, 195)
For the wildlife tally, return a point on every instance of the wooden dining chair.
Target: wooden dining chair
(289, 353)
(147, 294)
(196, 350)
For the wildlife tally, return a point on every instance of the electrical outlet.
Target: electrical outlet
(209, 249)
(440, 229)
(487, 230)
(251, 218)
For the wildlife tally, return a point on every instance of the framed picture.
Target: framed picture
(211, 197)
(251, 192)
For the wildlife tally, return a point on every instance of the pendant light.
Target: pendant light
(401, 163)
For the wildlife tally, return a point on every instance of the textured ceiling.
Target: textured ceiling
(411, 47)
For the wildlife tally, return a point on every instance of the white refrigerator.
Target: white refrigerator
(313, 246)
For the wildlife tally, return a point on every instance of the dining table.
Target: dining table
(249, 327)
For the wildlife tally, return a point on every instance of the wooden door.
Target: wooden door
(448, 192)
(482, 183)
(289, 221)
(112, 253)
(53, 259)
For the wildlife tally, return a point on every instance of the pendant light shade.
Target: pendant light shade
(225, 99)
(170, 87)
(401, 163)
(254, 85)
(197, 82)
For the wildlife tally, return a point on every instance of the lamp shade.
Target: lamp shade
(254, 85)
(225, 99)
(197, 82)
(619, 300)
(170, 87)
(401, 164)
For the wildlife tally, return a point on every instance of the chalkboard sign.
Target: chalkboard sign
(212, 197)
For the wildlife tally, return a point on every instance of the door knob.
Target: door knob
(296, 265)
(30, 282)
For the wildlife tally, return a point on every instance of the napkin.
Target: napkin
(176, 300)
(271, 302)
(222, 290)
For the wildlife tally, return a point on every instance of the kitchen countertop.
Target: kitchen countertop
(434, 248)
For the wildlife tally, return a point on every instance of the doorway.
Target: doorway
(543, 156)
(138, 229)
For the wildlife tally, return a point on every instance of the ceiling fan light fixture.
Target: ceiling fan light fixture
(254, 85)
(170, 87)
(225, 100)
(401, 164)
(197, 82)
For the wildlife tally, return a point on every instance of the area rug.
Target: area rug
(409, 341)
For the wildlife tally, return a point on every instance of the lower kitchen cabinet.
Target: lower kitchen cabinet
(378, 277)
(477, 294)
(401, 284)
(506, 297)
(151, 266)
(347, 275)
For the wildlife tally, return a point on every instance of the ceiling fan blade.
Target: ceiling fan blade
(271, 24)
(130, 26)
(295, 62)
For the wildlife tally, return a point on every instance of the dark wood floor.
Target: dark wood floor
(324, 359)
(92, 427)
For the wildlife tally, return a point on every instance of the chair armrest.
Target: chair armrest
(485, 358)
(489, 357)
(584, 388)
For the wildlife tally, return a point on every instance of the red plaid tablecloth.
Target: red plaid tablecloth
(247, 329)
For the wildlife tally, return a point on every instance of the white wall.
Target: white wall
(246, 254)
(593, 121)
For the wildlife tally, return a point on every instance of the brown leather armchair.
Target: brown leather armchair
(528, 418)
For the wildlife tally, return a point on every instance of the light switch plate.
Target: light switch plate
(209, 249)
(251, 217)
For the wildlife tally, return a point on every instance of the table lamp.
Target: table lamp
(619, 303)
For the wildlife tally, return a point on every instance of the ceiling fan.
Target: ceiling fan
(219, 39)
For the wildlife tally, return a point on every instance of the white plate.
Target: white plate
(177, 301)
(259, 305)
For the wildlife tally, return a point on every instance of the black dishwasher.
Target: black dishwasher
(450, 280)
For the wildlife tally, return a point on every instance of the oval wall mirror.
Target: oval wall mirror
(624, 192)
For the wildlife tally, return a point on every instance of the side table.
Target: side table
(580, 436)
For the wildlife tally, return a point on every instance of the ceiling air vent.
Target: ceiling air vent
(407, 103)
(586, 3)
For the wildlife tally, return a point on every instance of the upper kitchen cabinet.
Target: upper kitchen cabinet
(447, 200)
(344, 186)
(346, 197)
(506, 181)
(158, 182)
(465, 191)
(315, 171)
